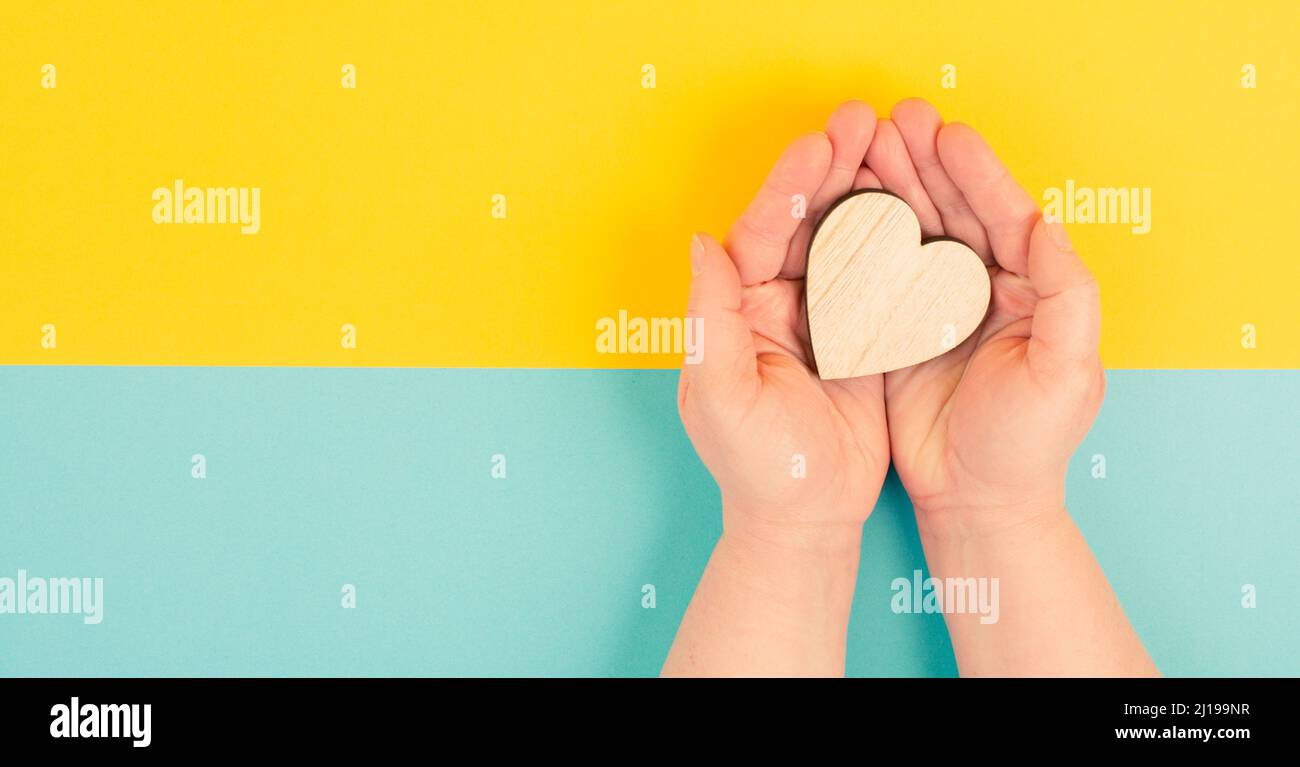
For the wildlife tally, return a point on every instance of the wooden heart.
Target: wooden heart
(879, 298)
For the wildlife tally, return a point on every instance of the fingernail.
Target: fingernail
(697, 255)
(1056, 230)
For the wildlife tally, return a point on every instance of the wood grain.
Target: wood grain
(878, 299)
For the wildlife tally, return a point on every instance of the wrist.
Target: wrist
(786, 535)
(964, 520)
(993, 542)
(808, 568)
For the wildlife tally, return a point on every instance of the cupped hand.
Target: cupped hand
(796, 458)
(981, 435)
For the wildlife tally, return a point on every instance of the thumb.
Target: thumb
(721, 363)
(1067, 318)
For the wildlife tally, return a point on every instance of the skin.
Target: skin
(980, 436)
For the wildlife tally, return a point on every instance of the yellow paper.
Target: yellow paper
(377, 202)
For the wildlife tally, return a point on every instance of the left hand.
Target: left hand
(981, 435)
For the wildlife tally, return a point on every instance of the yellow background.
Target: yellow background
(376, 201)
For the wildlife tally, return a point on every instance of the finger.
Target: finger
(918, 123)
(850, 129)
(721, 362)
(889, 159)
(1007, 212)
(1067, 318)
(866, 179)
(760, 239)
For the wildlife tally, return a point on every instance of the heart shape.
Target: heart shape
(879, 297)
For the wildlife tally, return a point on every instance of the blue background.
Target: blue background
(381, 478)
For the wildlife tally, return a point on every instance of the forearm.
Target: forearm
(770, 607)
(1056, 615)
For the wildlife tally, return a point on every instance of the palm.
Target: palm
(949, 416)
(997, 417)
(837, 426)
(772, 433)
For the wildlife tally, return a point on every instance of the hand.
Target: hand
(776, 595)
(754, 409)
(981, 436)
